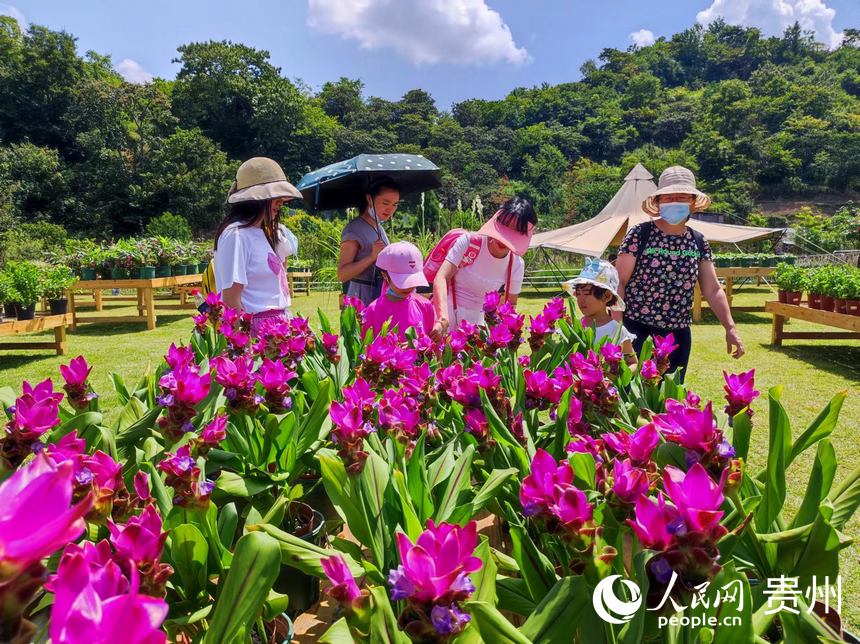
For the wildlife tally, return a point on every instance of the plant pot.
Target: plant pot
(303, 590)
(25, 312)
(119, 273)
(59, 307)
(828, 303)
(88, 274)
(190, 269)
(202, 267)
(281, 629)
(852, 307)
(178, 269)
(790, 260)
(793, 297)
(814, 301)
(780, 295)
(146, 272)
(840, 305)
(316, 497)
(162, 271)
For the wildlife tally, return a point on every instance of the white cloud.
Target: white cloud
(773, 16)
(131, 71)
(15, 12)
(642, 38)
(423, 31)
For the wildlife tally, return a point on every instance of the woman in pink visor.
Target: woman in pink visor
(482, 263)
(402, 270)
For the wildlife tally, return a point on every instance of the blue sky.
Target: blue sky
(455, 49)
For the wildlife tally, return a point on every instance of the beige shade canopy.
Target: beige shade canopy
(623, 211)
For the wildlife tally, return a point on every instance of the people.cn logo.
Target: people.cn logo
(607, 604)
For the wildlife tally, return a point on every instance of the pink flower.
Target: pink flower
(215, 431)
(182, 356)
(435, 568)
(588, 369)
(36, 515)
(399, 414)
(141, 486)
(655, 523)
(696, 495)
(140, 540)
(191, 386)
(663, 348)
(692, 428)
(42, 391)
(500, 336)
(638, 446)
(343, 586)
(93, 606)
(275, 377)
(76, 372)
(33, 417)
(360, 394)
(491, 301)
(740, 391)
(537, 491)
(629, 482)
(649, 372)
(573, 509)
(477, 423)
(611, 353)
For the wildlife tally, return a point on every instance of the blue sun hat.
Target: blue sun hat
(598, 272)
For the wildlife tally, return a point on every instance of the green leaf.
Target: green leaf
(493, 626)
(822, 426)
(559, 613)
(245, 487)
(373, 482)
(188, 554)
(383, 623)
(301, 555)
(514, 596)
(7, 397)
(412, 524)
(536, 569)
(820, 480)
(256, 565)
(120, 388)
(741, 432)
(458, 480)
(275, 604)
(488, 491)
(773, 497)
(584, 470)
(228, 521)
(416, 479)
(820, 555)
(846, 499)
(338, 633)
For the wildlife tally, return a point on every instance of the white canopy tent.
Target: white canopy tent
(623, 211)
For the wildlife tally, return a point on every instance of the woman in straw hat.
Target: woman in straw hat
(659, 263)
(251, 247)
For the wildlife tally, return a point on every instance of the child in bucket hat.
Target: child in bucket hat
(596, 293)
(402, 269)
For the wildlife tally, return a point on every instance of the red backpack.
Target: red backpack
(440, 251)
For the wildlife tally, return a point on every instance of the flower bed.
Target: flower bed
(176, 522)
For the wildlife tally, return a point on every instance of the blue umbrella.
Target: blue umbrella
(343, 184)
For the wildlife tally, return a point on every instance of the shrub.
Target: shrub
(169, 225)
(55, 281)
(26, 280)
(790, 278)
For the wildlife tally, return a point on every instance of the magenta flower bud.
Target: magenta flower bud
(76, 372)
(693, 429)
(696, 495)
(538, 489)
(140, 540)
(141, 486)
(343, 586)
(740, 391)
(649, 372)
(663, 347)
(476, 423)
(629, 482)
(431, 569)
(215, 431)
(652, 522)
(37, 516)
(182, 356)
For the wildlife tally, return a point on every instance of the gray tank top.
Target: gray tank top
(362, 232)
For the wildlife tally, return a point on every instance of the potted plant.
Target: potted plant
(829, 280)
(302, 521)
(55, 282)
(145, 255)
(188, 257)
(852, 293)
(164, 255)
(7, 293)
(815, 285)
(204, 256)
(789, 281)
(26, 281)
(91, 260)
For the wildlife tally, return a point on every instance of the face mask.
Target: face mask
(394, 296)
(674, 213)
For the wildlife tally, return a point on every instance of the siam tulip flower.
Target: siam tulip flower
(655, 523)
(92, 605)
(448, 620)
(182, 356)
(181, 390)
(693, 400)
(183, 476)
(31, 418)
(543, 324)
(139, 543)
(575, 421)
(697, 497)
(360, 395)
(500, 338)
(399, 415)
(492, 300)
(629, 482)
(540, 392)
(663, 348)
(637, 446)
(343, 586)
(385, 360)
(693, 429)
(214, 432)
(42, 391)
(214, 308)
(349, 432)
(237, 339)
(37, 517)
(435, 568)
(275, 377)
(538, 489)
(588, 369)
(612, 355)
(237, 377)
(585, 444)
(740, 392)
(573, 509)
(477, 424)
(330, 344)
(141, 487)
(201, 321)
(649, 372)
(75, 374)
(355, 303)
(524, 361)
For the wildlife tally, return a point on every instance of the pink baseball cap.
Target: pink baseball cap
(404, 265)
(516, 241)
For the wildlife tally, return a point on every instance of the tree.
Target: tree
(31, 180)
(342, 99)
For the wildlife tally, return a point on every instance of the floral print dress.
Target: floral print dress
(660, 291)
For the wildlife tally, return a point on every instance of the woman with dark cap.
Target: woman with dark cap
(363, 239)
(251, 246)
(481, 263)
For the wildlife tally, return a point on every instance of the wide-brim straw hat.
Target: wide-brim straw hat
(676, 180)
(259, 179)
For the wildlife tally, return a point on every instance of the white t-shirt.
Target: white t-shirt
(609, 330)
(245, 257)
(485, 275)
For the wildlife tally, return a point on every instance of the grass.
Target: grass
(811, 372)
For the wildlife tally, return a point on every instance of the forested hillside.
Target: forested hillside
(755, 117)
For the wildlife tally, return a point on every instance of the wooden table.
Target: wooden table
(146, 306)
(728, 276)
(782, 312)
(305, 275)
(40, 323)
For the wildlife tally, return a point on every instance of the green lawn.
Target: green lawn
(810, 371)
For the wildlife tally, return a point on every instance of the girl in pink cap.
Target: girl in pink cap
(402, 270)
